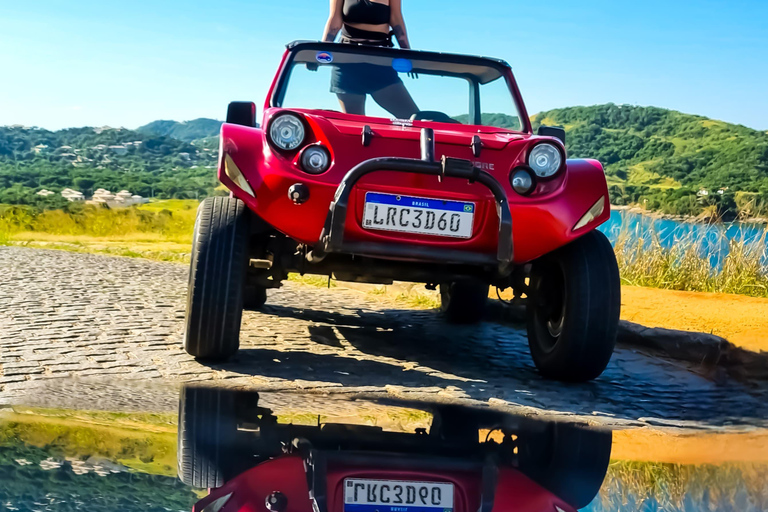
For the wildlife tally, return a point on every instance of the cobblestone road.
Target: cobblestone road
(93, 317)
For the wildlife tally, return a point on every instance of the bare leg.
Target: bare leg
(396, 100)
(352, 103)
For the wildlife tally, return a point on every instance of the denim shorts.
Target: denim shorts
(362, 78)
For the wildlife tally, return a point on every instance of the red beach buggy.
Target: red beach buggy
(461, 194)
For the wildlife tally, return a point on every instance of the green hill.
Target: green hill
(87, 158)
(663, 158)
(186, 130)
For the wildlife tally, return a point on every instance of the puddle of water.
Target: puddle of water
(62, 459)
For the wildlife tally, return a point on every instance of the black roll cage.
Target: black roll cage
(278, 94)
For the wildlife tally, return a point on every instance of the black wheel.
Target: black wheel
(574, 300)
(464, 302)
(567, 460)
(254, 296)
(216, 278)
(206, 436)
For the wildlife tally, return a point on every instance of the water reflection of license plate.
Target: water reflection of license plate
(389, 212)
(363, 495)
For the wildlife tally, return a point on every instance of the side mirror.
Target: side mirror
(552, 131)
(242, 113)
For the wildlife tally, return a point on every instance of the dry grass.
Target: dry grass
(163, 231)
(676, 487)
(644, 261)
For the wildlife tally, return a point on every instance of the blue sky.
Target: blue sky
(84, 62)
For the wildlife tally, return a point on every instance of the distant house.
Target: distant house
(72, 195)
(702, 192)
(123, 198)
(120, 150)
(184, 156)
(45, 193)
(40, 148)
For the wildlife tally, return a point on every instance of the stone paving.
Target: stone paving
(90, 318)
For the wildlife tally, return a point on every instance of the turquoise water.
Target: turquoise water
(714, 237)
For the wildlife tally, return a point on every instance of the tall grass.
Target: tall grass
(742, 268)
(675, 487)
(688, 264)
(99, 222)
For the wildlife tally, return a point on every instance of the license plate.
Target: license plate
(389, 212)
(363, 495)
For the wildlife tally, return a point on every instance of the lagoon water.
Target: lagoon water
(714, 238)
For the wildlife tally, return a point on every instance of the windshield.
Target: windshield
(380, 83)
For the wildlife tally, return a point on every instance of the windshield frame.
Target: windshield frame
(278, 88)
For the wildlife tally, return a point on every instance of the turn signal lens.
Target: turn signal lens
(233, 173)
(597, 210)
(217, 504)
(315, 159)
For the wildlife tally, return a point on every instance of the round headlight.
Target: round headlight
(545, 160)
(287, 132)
(522, 181)
(315, 159)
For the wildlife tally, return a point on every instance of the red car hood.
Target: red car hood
(401, 138)
(460, 135)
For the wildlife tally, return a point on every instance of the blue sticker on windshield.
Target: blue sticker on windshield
(402, 65)
(324, 57)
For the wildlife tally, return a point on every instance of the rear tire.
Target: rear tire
(217, 278)
(574, 301)
(465, 301)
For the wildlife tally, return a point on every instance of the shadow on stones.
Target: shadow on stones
(488, 360)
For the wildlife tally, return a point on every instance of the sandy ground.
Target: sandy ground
(650, 445)
(740, 319)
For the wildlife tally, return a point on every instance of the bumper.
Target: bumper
(332, 236)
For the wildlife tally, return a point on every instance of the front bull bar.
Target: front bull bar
(332, 236)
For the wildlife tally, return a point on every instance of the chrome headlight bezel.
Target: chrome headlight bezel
(283, 140)
(549, 151)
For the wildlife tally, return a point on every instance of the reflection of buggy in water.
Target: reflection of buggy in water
(463, 460)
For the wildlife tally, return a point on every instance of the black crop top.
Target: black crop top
(365, 11)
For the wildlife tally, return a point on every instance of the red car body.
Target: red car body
(249, 491)
(541, 222)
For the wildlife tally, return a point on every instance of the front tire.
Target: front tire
(465, 301)
(568, 460)
(216, 278)
(574, 301)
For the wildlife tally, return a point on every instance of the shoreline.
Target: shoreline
(756, 221)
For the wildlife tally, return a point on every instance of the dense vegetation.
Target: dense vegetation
(660, 159)
(187, 131)
(32, 159)
(669, 161)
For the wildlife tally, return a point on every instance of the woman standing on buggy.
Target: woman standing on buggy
(369, 22)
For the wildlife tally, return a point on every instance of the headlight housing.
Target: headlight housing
(545, 159)
(315, 159)
(287, 132)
